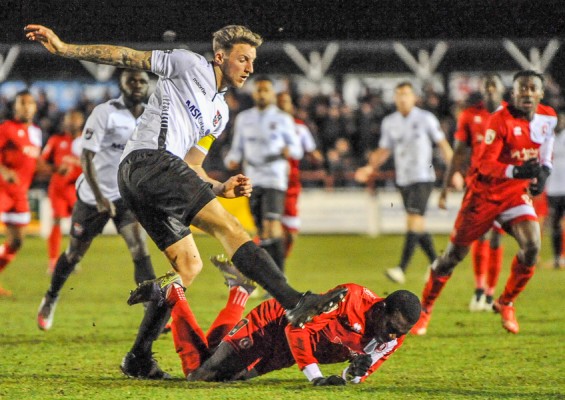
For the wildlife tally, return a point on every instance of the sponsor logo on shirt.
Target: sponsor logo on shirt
(31, 151)
(195, 113)
(524, 154)
(199, 85)
(118, 146)
(217, 118)
(477, 119)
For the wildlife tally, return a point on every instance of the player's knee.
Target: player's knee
(188, 268)
(531, 249)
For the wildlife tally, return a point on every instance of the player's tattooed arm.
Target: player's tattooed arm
(103, 54)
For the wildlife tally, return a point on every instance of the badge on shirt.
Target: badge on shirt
(88, 133)
(489, 136)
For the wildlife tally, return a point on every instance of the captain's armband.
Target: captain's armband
(206, 141)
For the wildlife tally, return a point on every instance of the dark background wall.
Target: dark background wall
(146, 20)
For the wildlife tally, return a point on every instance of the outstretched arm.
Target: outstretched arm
(99, 53)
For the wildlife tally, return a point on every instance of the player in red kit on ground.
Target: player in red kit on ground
(66, 169)
(20, 147)
(514, 164)
(364, 329)
(469, 137)
(290, 219)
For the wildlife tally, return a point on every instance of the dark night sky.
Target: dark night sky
(146, 20)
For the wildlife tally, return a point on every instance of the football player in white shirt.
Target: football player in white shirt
(264, 140)
(162, 179)
(105, 134)
(409, 134)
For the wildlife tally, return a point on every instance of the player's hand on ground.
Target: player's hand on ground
(363, 174)
(9, 175)
(360, 365)
(45, 36)
(237, 186)
(528, 170)
(442, 202)
(332, 380)
(106, 206)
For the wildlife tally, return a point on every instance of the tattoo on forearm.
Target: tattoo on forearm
(113, 55)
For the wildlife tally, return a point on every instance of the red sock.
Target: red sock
(228, 317)
(189, 339)
(432, 290)
(479, 251)
(520, 274)
(7, 254)
(494, 267)
(54, 242)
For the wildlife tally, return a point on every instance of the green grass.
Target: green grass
(464, 355)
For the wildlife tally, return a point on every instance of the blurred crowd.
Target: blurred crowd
(344, 134)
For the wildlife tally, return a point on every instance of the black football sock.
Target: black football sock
(410, 242)
(427, 244)
(152, 324)
(256, 264)
(143, 270)
(557, 242)
(275, 248)
(63, 269)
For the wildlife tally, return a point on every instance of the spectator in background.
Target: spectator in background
(341, 163)
(409, 134)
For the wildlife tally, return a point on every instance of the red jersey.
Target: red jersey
(471, 128)
(510, 140)
(58, 152)
(20, 146)
(332, 337)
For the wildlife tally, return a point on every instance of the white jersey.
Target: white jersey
(105, 133)
(305, 136)
(411, 140)
(258, 142)
(555, 185)
(185, 110)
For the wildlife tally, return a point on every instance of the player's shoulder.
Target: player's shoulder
(359, 292)
(546, 110)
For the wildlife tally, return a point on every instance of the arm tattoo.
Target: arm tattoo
(114, 55)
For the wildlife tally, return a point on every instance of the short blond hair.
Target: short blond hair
(228, 36)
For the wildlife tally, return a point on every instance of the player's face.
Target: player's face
(264, 94)
(237, 65)
(284, 102)
(135, 86)
(405, 99)
(390, 327)
(527, 92)
(492, 90)
(25, 108)
(73, 122)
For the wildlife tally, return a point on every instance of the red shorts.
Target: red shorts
(259, 339)
(479, 210)
(14, 206)
(290, 219)
(62, 198)
(540, 205)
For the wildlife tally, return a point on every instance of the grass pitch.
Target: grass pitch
(463, 356)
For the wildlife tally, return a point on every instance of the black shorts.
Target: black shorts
(415, 197)
(87, 222)
(266, 204)
(163, 192)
